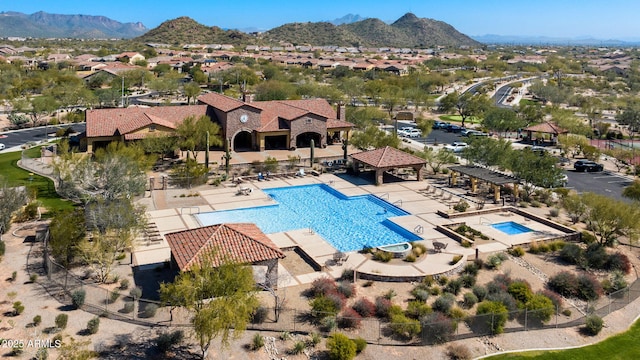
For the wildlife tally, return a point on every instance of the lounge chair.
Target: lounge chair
(244, 191)
(260, 177)
(300, 172)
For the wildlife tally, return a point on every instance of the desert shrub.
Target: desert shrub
(516, 251)
(382, 256)
(37, 320)
(418, 249)
(556, 245)
(455, 259)
(495, 260)
(382, 307)
(135, 293)
(361, 344)
(150, 310)
(128, 307)
(322, 286)
(554, 212)
(498, 318)
(315, 339)
(505, 299)
(566, 312)
(480, 292)
(61, 321)
(593, 324)
(588, 287)
(456, 313)
(521, 291)
(572, 254)
(257, 342)
(417, 309)
(341, 347)
(259, 315)
(444, 303)
(540, 308)
(587, 237)
(298, 347)
(364, 307)
(165, 341)
(556, 300)
(535, 203)
(534, 248)
(42, 354)
(453, 286)
(347, 275)
(349, 319)
(499, 283)
(18, 308)
(458, 352)
(596, 256)
(329, 324)
(14, 274)
(435, 291)
(443, 280)
(469, 300)
(113, 297)
(420, 294)
(466, 244)
(33, 278)
(468, 280)
(390, 294)
(410, 258)
(337, 298)
(124, 284)
(93, 325)
(346, 288)
(564, 283)
(618, 261)
(438, 328)
(403, 327)
(322, 307)
(461, 206)
(479, 263)
(471, 269)
(77, 298)
(617, 282)
(544, 248)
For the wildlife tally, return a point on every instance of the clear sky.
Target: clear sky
(556, 18)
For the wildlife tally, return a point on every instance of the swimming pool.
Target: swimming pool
(511, 228)
(347, 222)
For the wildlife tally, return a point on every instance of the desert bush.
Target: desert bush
(341, 347)
(347, 275)
(322, 286)
(455, 259)
(593, 324)
(588, 287)
(554, 212)
(298, 347)
(128, 307)
(469, 300)
(361, 344)
(364, 307)
(467, 280)
(471, 269)
(257, 342)
(33, 278)
(382, 307)
(315, 339)
(554, 297)
(338, 299)
(505, 299)
(495, 260)
(410, 258)
(322, 307)
(93, 325)
(382, 256)
(521, 291)
(77, 298)
(444, 303)
(42, 354)
(566, 312)
(618, 261)
(435, 291)
(438, 328)
(466, 244)
(347, 289)
(516, 251)
(461, 206)
(564, 283)
(458, 352)
(390, 294)
(499, 283)
(165, 341)
(37, 320)
(480, 292)
(498, 318)
(150, 310)
(124, 284)
(329, 323)
(61, 321)
(14, 275)
(454, 286)
(113, 297)
(416, 309)
(596, 256)
(135, 293)
(259, 315)
(557, 245)
(18, 308)
(617, 281)
(403, 327)
(572, 254)
(540, 308)
(418, 249)
(443, 280)
(420, 294)
(587, 237)
(349, 319)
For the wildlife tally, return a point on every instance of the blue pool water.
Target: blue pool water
(347, 222)
(511, 228)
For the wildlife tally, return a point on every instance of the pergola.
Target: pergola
(387, 158)
(546, 127)
(475, 173)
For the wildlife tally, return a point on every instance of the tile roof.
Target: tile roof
(109, 122)
(388, 157)
(221, 102)
(547, 128)
(241, 242)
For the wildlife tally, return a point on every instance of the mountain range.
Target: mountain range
(45, 25)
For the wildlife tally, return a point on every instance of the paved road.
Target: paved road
(604, 183)
(19, 137)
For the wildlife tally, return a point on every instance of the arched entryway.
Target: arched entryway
(243, 141)
(304, 140)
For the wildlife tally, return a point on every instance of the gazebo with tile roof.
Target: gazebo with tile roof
(240, 242)
(388, 158)
(546, 127)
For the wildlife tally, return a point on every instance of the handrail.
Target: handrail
(383, 195)
(488, 222)
(418, 229)
(398, 201)
(190, 208)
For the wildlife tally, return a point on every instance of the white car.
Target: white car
(404, 131)
(414, 133)
(456, 147)
(2, 146)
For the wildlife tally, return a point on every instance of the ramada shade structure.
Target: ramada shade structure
(387, 158)
(475, 173)
(544, 128)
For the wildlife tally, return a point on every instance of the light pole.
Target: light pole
(122, 92)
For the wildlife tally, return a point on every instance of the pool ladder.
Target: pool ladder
(485, 222)
(383, 195)
(418, 229)
(398, 201)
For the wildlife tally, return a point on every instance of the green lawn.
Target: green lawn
(623, 346)
(43, 186)
(458, 118)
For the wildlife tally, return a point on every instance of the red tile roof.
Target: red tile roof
(388, 157)
(242, 242)
(218, 101)
(109, 122)
(547, 128)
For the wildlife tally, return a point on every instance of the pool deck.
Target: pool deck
(418, 198)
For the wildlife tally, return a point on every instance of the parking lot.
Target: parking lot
(604, 183)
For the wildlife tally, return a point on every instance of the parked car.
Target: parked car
(471, 132)
(439, 125)
(587, 165)
(404, 131)
(452, 128)
(456, 147)
(414, 133)
(2, 146)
